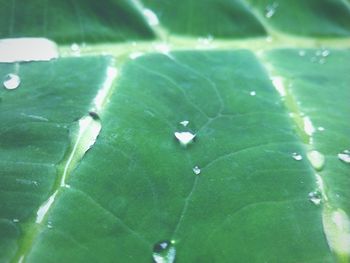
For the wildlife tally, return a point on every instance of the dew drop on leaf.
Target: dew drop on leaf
(184, 138)
(184, 123)
(315, 197)
(15, 220)
(297, 156)
(344, 156)
(11, 81)
(252, 93)
(302, 53)
(164, 252)
(196, 170)
(316, 159)
(325, 53)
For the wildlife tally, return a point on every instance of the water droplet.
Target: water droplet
(316, 159)
(302, 53)
(325, 53)
(184, 123)
(344, 156)
(164, 252)
(11, 81)
(320, 128)
(270, 10)
(315, 197)
(27, 49)
(15, 220)
(196, 170)
(206, 40)
(322, 61)
(184, 138)
(297, 156)
(75, 47)
(252, 93)
(49, 224)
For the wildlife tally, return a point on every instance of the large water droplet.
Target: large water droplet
(164, 252)
(270, 10)
(316, 159)
(315, 197)
(184, 123)
(297, 156)
(344, 156)
(196, 170)
(184, 138)
(11, 81)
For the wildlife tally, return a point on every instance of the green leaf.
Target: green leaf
(73, 21)
(220, 135)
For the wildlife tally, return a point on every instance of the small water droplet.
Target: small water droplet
(270, 10)
(252, 93)
(344, 156)
(11, 81)
(184, 138)
(49, 224)
(297, 156)
(15, 220)
(315, 197)
(205, 40)
(164, 252)
(184, 123)
(325, 53)
(196, 170)
(75, 47)
(320, 128)
(302, 53)
(316, 159)
(322, 61)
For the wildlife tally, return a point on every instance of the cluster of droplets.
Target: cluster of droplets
(315, 197)
(11, 81)
(270, 10)
(205, 41)
(320, 56)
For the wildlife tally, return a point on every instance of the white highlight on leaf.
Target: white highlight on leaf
(44, 208)
(87, 126)
(135, 55)
(151, 17)
(103, 92)
(279, 85)
(27, 49)
(308, 126)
